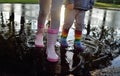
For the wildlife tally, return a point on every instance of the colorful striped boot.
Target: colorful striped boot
(63, 38)
(77, 43)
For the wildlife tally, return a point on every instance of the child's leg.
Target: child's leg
(53, 30)
(51, 40)
(78, 35)
(79, 27)
(43, 12)
(55, 13)
(68, 21)
(44, 6)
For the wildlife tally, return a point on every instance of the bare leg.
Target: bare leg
(44, 6)
(53, 30)
(68, 21)
(43, 12)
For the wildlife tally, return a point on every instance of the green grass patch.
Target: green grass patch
(106, 5)
(19, 1)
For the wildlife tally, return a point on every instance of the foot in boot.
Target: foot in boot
(64, 43)
(51, 40)
(39, 39)
(78, 46)
(52, 56)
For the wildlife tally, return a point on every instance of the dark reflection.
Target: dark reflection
(89, 23)
(103, 26)
(11, 21)
(2, 20)
(22, 21)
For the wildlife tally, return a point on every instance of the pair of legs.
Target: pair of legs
(53, 7)
(71, 16)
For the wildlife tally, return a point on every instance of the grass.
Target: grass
(19, 1)
(97, 4)
(106, 5)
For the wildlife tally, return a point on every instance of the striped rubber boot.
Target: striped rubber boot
(51, 40)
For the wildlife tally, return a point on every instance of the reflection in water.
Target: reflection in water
(30, 11)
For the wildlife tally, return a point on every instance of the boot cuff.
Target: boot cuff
(53, 31)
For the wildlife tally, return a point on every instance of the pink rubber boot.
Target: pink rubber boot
(51, 40)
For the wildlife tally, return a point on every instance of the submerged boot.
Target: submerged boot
(51, 40)
(63, 38)
(39, 36)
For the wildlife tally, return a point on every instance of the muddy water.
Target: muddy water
(30, 12)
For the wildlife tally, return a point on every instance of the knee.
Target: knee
(55, 12)
(67, 26)
(43, 13)
(80, 27)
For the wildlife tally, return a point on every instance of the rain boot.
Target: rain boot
(63, 41)
(51, 40)
(39, 37)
